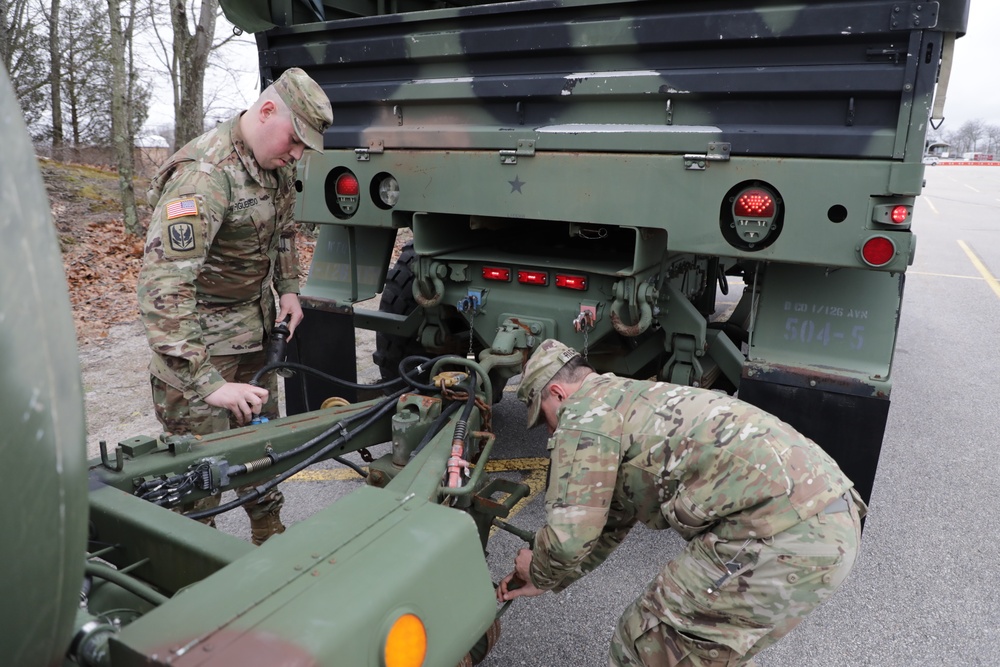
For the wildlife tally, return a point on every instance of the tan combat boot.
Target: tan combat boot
(264, 527)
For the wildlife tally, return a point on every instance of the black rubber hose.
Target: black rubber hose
(383, 408)
(255, 380)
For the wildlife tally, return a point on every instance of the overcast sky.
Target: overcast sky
(973, 93)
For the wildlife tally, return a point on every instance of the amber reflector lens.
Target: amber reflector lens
(406, 644)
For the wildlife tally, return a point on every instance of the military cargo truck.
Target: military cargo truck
(602, 172)
(599, 172)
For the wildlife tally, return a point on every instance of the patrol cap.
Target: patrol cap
(547, 360)
(310, 107)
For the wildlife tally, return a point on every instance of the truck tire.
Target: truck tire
(397, 298)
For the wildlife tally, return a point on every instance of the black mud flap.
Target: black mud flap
(848, 427)
(324, 341)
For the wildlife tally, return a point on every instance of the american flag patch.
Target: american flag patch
(181, 207)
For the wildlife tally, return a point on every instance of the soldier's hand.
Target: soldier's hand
(289, 306)
(513, 586)
(522, 564)
(243, 400)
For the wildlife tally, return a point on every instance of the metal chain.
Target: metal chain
(471, 356)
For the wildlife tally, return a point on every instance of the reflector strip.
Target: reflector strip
(496, 273)
(533, 277)
(571, 282)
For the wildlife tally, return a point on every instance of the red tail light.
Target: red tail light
(533, 277)
(571, 282)
(347, 186)
(900, 214)
(878, 251)
(754, 203)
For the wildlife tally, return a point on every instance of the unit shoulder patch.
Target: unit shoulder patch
(183, 230)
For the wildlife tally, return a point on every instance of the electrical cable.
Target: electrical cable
(385, 406)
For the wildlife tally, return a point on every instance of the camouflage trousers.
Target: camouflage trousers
(699, 613)
(182, 412)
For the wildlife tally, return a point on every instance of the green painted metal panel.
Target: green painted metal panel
(44, 434)
(327, 590)
(828, 324)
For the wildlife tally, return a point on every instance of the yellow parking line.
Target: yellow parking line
(976, 262)
(337, 475)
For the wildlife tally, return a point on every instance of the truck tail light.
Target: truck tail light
(892, 215)
(751, 216)
(754, 203)
(878, 251)
(533, 277)
(347, 185)
(342, 193)
(754, 210)
(571, 282)
(496, 273)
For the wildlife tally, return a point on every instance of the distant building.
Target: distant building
(937, 149)
(151, 150)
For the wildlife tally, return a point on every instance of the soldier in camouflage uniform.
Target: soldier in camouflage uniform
(220, 243)
(772, 523)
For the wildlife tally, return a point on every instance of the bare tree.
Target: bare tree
(992, 133)
(52, 17)
(23, 53)
(122, 129)
(86, 76)
(185, 52)
(970, 133)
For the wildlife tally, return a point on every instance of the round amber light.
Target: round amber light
(406, 644)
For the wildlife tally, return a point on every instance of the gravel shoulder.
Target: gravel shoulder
(118, 398)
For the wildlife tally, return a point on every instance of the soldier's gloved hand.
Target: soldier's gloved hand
(243, 400)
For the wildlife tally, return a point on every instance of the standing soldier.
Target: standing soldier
(220, 243)
(772, 523)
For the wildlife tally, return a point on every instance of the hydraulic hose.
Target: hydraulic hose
(380, 410)
(457, 460)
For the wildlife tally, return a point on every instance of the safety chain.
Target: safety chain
(584, 323)
(471, 355)
(486, 410)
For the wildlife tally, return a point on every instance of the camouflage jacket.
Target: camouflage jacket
(670, 456)
(220, 236)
